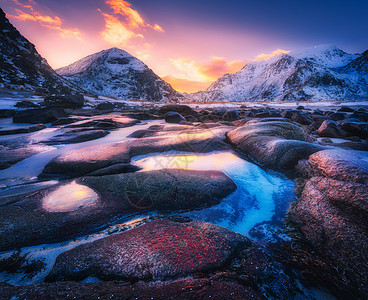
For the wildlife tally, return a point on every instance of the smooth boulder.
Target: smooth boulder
(332, 209)
(52, 215)
(174, 117)
(90, 159)
(157, 250)
(332, 129)
(41, 115)
(277, 145)
(69, 101)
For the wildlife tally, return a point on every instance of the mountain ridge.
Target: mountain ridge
(320, 73)
(114, 72)
(22, 67)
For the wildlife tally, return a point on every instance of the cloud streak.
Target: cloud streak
(264, 56)
(53, 23)
(115, 32)
(185, 85)
(204, 72)
(192, 76)
(124, 23)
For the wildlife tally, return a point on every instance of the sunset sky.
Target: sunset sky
(189, 43)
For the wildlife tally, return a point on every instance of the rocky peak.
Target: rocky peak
(114, 72)
(22, 67)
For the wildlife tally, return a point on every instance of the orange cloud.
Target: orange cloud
(115, 32)
(185, 85)
(124, 30)
(193, 77)
(53, 23)
(156, 27)
(133, 18)
(204, 72)
(219, 66)
(264, 56)
(44, 20)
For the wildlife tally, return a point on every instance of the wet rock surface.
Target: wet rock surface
(171, 248)
(331, 128)
(278, 145)
(40, 115)
(85, 160)
(120, 196)
(10, 155)
(76, 136)
(27, 129)
(174, 117)
(331, 212)
(105, 122)
(188, 288)
(70, 101)
(156, 250)
(174, 256)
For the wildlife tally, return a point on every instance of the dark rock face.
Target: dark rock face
(70, 101)
(301, 118)
(331, 129)
(105, 122)
(174, 117)
(361, 116)
(105, 106)
(231, 115)
(338, 116)
(28, 129)
(119, 196)
(22, 67)
(64, 121)
(26, 104)
(359, 129)
(41, 115)
(76, 136)
(7, 113)
(156, 250)
(141, 116)
(181, 109)
(188, 288)
(277, 145)
(332, 211)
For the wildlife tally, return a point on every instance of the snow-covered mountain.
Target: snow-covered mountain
(320, 73)
(116, 73)
(22, 67)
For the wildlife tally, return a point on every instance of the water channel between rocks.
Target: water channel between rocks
(255, 209)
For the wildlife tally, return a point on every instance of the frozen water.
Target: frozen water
(27, 170)
(69, 197)
(258, 197)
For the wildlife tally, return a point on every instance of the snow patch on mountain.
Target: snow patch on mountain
(116, 73)
(320, 73)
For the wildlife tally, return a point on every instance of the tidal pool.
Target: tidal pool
(26, 171)
(69, 197)
(261, 197)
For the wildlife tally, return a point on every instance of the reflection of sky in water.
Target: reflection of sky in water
(69, 197)
(27, 170)
(253, 202)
